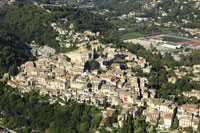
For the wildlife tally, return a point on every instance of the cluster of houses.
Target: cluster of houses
(193, 93)
(188, 116)
(184, 70)
(68, 38)
(65, 75)
(6, 2)
(193, 32)
(192, 72)
(149, 5)
(162, 112)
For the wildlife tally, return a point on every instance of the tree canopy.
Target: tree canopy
(30, 112)
(12, 53)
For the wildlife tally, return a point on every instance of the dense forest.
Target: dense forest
(12, 53)
(83, 19)
(192, 59)
(28, 23)
(119, 6)
(30, 112)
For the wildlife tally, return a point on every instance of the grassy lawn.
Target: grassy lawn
(132, 36)
(175, 40)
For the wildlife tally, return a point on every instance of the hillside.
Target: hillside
(178, 11)
(28, 23)
(12, 53)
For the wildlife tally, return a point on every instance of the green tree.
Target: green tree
(139, 130)
(46, 1)
(151, 46)
(84, 127)
(105, 104)
(198, 127)
(95, 122)
(13, 70)
(53, 127)
(88, 46)
(188, 129)
(36, 52)
(94, 64)
(175, 123)
(95, 54)
(153, 130)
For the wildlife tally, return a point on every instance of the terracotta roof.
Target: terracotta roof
(131, 109)
(168, 115)
(102, 99)
(109, 112)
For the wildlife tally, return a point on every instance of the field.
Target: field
(177, 39)
(132, 36)
(173, 39)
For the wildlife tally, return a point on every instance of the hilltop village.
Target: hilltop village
(101, 75)
(98, 66)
